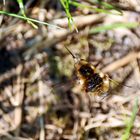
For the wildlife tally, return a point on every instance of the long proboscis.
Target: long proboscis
(71, 53)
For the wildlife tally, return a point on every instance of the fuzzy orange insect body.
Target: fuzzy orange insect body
(92, 80)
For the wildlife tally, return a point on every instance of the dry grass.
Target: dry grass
(39, 95)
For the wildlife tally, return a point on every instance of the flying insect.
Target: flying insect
(92, 80)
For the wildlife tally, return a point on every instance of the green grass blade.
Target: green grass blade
(105, 5)
(30, 19)
(21, 6)
(65, 4)
(109, 6)
(114, 11)
(113, 26)
(130, 122)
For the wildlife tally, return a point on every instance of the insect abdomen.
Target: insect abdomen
(93, 82)
(90, 79)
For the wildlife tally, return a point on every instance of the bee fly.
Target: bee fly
(91, 79)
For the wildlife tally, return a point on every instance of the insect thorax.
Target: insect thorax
(89, 78)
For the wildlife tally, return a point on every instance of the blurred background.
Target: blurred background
(39, 96)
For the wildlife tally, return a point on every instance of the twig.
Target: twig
(121, 62)
(80, 21)
(7, 136)
(41, 106)
(11, 73)
(19, 98)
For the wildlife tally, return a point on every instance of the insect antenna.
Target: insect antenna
(117, 83)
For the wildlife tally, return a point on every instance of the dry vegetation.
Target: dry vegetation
(39, 98)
